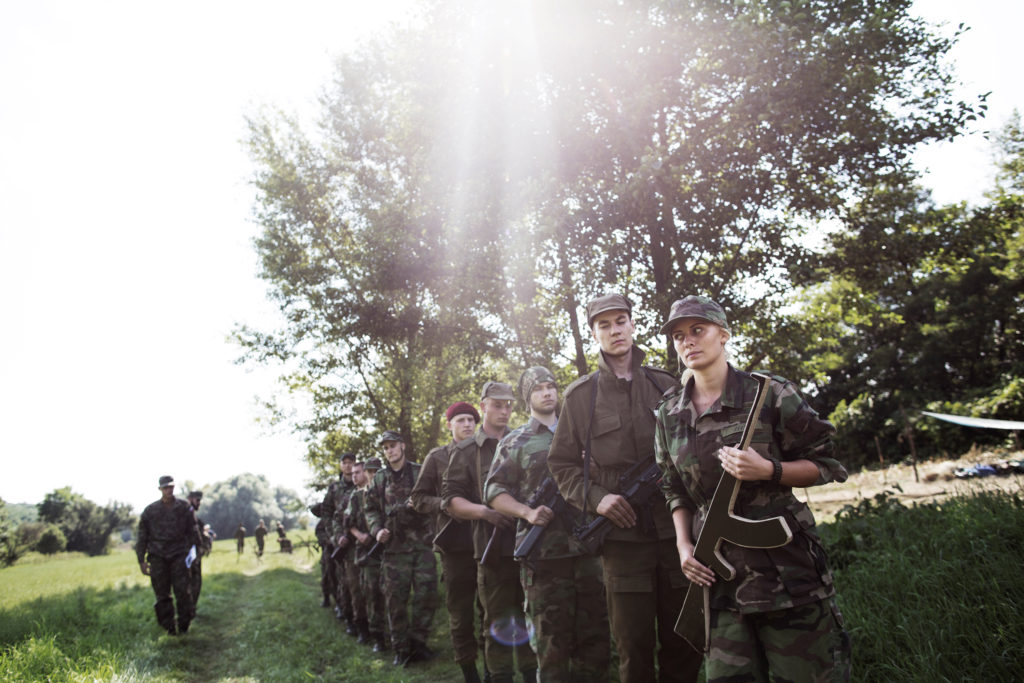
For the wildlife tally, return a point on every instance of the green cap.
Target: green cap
(607, 302)
(498, 390)
(531, 378)
(694, 306)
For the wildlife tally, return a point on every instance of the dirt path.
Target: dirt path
(937, 481)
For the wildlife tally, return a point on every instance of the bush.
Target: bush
(51, 541)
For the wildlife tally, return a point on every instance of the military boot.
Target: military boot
(363, 631)
(350, 626)
(529, 676)
(469, 673)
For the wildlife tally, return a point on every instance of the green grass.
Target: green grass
(929, 593)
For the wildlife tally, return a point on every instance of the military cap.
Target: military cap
(498, 390)
(607, 302)
(198, 495)
(373, 464)
(531, 377)
(388, 435)
(461, 408)
(348, 456)
(166, 480)
(694, 306)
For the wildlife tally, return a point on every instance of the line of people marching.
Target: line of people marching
(551, 551)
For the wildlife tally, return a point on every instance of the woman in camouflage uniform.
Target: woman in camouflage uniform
(778, 614)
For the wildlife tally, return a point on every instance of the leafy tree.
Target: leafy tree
(86, 525)
(51, 540)
(246, 499)
(10, 548)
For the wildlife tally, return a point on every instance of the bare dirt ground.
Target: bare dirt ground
(937, 482)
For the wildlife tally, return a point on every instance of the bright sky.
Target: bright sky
(125, 238)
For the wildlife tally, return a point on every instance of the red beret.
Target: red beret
(461, 408)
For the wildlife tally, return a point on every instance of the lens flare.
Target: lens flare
(511, 630)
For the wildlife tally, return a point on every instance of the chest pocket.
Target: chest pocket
(761, 442)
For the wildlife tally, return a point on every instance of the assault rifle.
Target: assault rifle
(397, 514)
(721, 524)
(546, 494)
(492, 551)
(637, 485)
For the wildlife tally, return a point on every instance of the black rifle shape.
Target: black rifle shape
(377, 549)
(720, 525)
(637, 485)
(547, 494)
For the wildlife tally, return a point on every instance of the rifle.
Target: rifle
(637, 485)
(721, 524)
(492, 551)
(398, 513)
(547, 494)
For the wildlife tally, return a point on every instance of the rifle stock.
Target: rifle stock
(721, 524)
(547, 494)
(638, 484)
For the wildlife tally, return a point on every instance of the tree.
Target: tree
(246, 499)
(86, 526)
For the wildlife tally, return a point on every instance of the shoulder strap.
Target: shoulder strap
(586, 451)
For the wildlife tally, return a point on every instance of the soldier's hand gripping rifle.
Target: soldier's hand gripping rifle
(547, 495)
(721, 524)
(637, 486)
(377, 549)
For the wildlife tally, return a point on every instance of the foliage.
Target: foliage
(51, 540)
(10, 546)
(246, 499)
(482, 171)
(86, 526)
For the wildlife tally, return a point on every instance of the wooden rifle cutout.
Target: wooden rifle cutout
(720, 524)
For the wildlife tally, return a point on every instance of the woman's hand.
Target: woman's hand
(746, 465)
(693, 570)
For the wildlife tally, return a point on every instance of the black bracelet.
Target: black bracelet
(777, 473)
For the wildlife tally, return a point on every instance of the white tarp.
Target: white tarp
(976, 421)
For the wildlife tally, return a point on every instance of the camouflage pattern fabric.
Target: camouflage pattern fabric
(166, 531)
(501, 594)
(332, 510)
(196, 571)
(369, 574)
(260, 534)
(519, 467)
(240, 538)
(787, 429)
(565, 597)
(565, 600)
(165, 574)
(805, 643)
(408, 574)
(327, 582)
(388, 505)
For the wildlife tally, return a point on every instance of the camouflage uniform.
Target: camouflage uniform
(204, 548)
(240, 538)
(369, 573)
(498, 587)
(337, 496)
(326, 547)
(779, 611)
(457, 564)
(644, 582)
(408, 563)
(165, 535)
(565, 595)
(260, 534)
(346, 571)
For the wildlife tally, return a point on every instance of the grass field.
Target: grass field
(930, 593)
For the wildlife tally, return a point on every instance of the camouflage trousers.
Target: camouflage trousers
(465, 613)
(196, 581)
(165, 574)
(327, 582)
(646, 586)
(350, 576)
(404, 574)
(565, 600)
(371, 575)
(804, 643)
(501, 594)
(342, 590)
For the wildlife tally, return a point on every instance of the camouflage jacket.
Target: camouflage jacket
(167, 531)
(387, 505)
(467, 470)
(205, 546)
(787, 429)
(336, 499)
(622, 434)
(520, 466)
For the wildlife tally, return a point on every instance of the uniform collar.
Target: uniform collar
(636, 360)
(732, 396)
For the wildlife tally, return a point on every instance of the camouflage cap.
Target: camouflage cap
(387, 435)
(694, 306)
(348, 456)
(498, 390)
(373, 464)
(607, 302)
(166, 480)
(530, 378)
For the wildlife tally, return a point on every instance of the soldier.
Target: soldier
(349, 570)
(777, 618)
(408, 563)
(195, 499)
(498, 584)
(260, 534)
(323, 539)
(369, 569)
(610, 415)
(454, 543)
(167, 531)
(565, 595)
(338, 493)
(240, 537)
